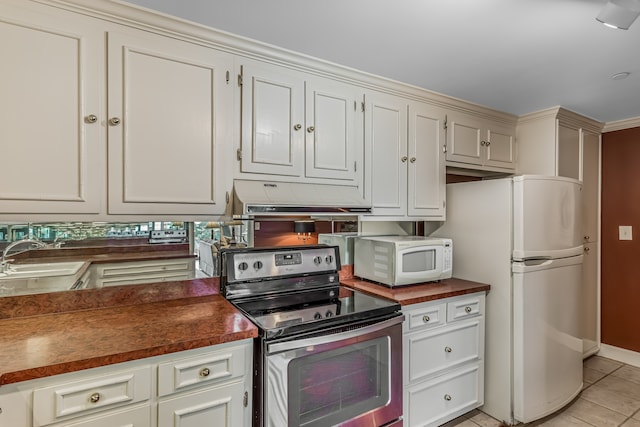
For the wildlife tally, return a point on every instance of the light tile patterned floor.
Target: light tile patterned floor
(610, 397)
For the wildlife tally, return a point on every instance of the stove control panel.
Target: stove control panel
(260, 264)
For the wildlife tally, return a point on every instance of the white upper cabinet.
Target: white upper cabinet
(299, 125)
(50, 111)
(272, 120)
(477, 143)
(405, 139)
(333, 130)
(169, 125)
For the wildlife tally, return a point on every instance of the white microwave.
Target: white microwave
(403, 260)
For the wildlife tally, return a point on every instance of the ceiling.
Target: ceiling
(516, 56)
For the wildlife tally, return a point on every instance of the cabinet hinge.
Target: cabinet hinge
(240, 80)
(362, 106)
(239, 154)
(245, 399)
(445, 121)
(355, 166)
(228, 76)
(444, 148)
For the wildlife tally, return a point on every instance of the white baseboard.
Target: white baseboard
(620, 354)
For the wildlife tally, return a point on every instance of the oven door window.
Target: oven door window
(330, 387)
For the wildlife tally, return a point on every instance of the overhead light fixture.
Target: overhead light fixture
(619, 13)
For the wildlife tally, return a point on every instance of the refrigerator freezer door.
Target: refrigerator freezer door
(546, 217)
(547, 349)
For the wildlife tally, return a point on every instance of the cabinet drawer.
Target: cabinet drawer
(424, 317)
(63, 401)
(435, 402)
(137, 417)
(209, 368)
(465, 308)
(427, 353)
(219, 406)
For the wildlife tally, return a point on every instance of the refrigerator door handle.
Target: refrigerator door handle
(544, 264)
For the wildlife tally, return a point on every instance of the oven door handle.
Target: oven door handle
(331, 338)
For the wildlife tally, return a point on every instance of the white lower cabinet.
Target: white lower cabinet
(443, 359)
(206, 386)
(137, 272)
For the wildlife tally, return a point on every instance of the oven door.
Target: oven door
(347, 378)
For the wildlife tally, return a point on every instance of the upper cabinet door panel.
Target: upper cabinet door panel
(52, 76)
(500, 147)
(386, 135)
(426, 178)
(331, 129)
(272, 120)
(465, 137)
(168, 103)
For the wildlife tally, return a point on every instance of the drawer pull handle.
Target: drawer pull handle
(467, 309)
(448, 350)
(447, 397)
(94, 398)
(204, 372)
(425, 318)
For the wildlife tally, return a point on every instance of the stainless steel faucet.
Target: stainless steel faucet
(33, 242)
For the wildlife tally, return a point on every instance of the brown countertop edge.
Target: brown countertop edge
(70, 332)
(414, 294)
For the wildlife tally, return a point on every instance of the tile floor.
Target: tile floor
(610, 397)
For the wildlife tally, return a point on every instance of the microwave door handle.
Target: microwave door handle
(332, 338)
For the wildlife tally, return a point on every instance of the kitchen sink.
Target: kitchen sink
(48, 269)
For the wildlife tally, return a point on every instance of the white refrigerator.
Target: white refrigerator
(522, 235)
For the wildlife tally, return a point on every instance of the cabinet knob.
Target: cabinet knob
(587, 249)
(587, 237)
(115, 121)
(94, 398)
(412, 160)
(204, 372)
(404, 159)
(310, 129)
(447, 397)
(91, 118)
(448, 350)
(467, 309)
(483, 143)
(425, 318)
(297, 127)
(488, 143)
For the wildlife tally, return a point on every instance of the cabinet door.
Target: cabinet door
(272, 120)
(169, 102)
(568, 152)
(500, 148)
(333, 143)
(464, 140)
(386, 140)
(138, 417)
(590, 185)
(220, 407)
(52, 78)
(426, 170)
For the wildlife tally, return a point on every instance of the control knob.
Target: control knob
(329, 314)
(329, 259)
(243, 266)
(257, 265)
(317, 316)
(317, 260)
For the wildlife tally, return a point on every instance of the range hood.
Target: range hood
(261, 198)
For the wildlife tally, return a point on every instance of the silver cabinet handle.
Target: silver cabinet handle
(447, 397)
(404, 159)
(467, 309)
(297, 127)
(94, 398)
(91, 118)
(488, 143)
(412, 160)
(483, 143)
(204, 372)
(115, 121)
(310, 129)
(448, 350)
(425, 318)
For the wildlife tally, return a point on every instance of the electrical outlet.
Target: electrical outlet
(625, 232)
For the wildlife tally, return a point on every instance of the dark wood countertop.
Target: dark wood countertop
(413, 294)
(56, 333)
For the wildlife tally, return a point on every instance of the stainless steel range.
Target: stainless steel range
(326, 355)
